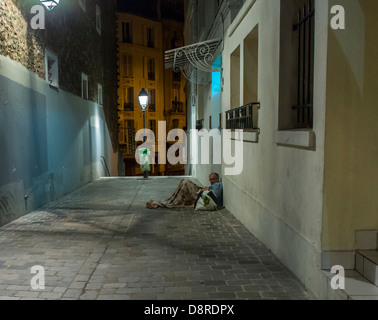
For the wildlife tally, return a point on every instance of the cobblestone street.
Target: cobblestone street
(100, 242)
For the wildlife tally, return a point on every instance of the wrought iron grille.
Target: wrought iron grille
(243, 117)
(305, 30)
(130, 141)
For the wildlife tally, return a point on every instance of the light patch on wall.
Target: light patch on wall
(352, 39)
(95, 121)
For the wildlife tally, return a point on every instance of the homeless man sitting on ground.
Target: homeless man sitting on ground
(187, 193)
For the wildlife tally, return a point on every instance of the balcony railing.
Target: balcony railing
(128, 106)
(177, 107)
(244, 118)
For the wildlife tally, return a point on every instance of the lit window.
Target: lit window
(99, 96)
(98, 19)
(84, 86)
(52, 69)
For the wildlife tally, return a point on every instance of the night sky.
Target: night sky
(145, 8)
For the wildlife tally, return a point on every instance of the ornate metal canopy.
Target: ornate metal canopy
(50, 5)
(194, 59)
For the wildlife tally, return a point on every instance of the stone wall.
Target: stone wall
(15, 39)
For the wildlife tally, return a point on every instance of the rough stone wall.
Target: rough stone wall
(16, 41)
(71, 34)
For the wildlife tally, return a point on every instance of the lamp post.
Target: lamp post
(143, 101)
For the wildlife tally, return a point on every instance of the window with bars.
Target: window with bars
(304, 29)
(297, 64)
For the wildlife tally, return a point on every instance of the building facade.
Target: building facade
(141, 46)
(299, 84)
(58, 106)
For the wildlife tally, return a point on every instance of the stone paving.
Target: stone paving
(101, 243)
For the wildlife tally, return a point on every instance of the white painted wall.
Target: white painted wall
(279, 194)
(51, 142)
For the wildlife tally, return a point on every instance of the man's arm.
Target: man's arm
(217, 189)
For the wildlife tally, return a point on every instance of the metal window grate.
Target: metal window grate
(305, 33)
(243, 117)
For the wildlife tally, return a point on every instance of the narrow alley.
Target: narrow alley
(100, 242)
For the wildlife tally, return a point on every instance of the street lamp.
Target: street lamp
(143, 101)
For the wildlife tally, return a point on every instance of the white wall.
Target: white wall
(51, 142)
(279, 194)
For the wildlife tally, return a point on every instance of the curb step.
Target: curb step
(367, 264)
(366, 261)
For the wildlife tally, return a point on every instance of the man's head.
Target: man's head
(213, 178)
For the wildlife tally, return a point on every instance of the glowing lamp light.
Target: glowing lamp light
(143, 98)
(143, 101)
(50, 5)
